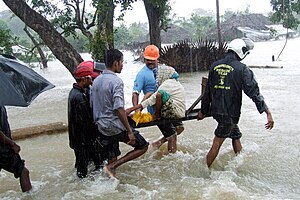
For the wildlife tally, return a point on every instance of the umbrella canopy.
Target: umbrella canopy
(19, 84)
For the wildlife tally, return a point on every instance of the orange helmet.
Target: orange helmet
(151, 52)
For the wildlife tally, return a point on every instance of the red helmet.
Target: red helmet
(151, 52)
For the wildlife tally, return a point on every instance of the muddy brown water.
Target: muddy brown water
(268, 167)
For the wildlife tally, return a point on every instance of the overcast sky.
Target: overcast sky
(184, 7)
(257, 6)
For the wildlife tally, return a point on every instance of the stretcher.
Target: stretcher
(190, 114)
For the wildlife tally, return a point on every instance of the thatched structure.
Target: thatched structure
(190, 56)
(186, 55)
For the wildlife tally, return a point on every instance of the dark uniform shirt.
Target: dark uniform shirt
(5, 128)
(9, 160)
(80, 122)
(227, 79)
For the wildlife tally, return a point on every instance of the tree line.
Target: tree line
(56, 25)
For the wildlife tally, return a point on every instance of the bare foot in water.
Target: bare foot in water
(110, 172)
(154, 145)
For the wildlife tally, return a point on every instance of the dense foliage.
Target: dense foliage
(7, 40)
(285, 12)
(87, 32)
(195, 27)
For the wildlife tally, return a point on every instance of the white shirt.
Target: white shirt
(176, 92)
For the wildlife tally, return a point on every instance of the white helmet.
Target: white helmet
(241, 47)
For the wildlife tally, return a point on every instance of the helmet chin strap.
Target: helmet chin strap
(245, 50)
(245, 55)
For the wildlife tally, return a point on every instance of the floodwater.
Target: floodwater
(268, 167)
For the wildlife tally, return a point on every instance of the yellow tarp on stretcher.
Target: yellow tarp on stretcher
(140, 117)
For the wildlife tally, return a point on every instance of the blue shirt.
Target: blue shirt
(146, 82)
(108, 96)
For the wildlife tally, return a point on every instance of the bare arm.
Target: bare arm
(136, 107)
(123, 118)
(270, 123)
(135, 99)
(147, 96)
(6, 140)
(135, 102)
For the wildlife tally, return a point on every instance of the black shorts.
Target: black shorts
(111, 143)
(12, 162)
(227, 127)
(169, 129)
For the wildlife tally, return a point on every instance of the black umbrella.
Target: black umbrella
(19, 84)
